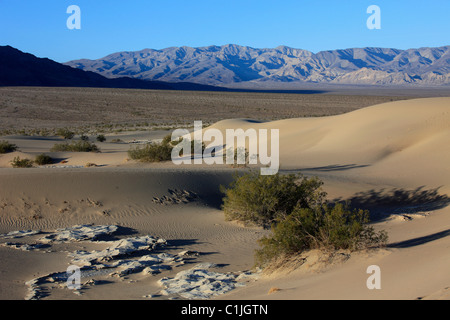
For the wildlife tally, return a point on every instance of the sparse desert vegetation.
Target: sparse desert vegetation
(241, 157)
(43, 159)
(325, 227)
(65, 133)
(299, 216)
(160, 151)
(40, 111)
(75, 146)
(151, 152)
(40, 160)
(262, 200)
(17, 162)
(6, 147)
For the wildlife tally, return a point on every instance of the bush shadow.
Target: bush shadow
(337, 167)
(397, 201)
(420, 240)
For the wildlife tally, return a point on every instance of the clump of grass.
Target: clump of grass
(21, 163)
(75, 146)
(157, 152)
(101, 138)
(90, 164)
(6, 147)
(195, 144)
(65, 133)
(151, 152)
(43, 159)
(299, 215)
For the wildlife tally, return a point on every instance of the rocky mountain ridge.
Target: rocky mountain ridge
(233, 64)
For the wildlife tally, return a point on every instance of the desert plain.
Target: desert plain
(385, 152)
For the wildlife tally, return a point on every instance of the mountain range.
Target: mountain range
(24, 69)
(240, 66)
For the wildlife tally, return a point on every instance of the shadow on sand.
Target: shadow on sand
(420, 240)
(384, 203)
(337, 167)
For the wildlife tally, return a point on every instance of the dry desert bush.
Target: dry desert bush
(17, 162)
(299, 216)
(6, 147)
(43, 159)
(75, 146)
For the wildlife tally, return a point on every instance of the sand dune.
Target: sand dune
(401, 146)
(399, 142)
(392, 158)
(368, 136)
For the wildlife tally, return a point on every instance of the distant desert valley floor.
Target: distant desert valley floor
(156, 230)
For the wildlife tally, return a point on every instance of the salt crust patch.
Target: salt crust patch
(19, 234)
(117, 260)
(201, 283)
(117, 248)
(79, 233)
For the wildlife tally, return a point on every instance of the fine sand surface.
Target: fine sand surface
(391, 158)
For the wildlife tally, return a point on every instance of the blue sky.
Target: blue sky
(107, 26)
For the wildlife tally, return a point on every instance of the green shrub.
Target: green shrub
(261, 199)
(151, 152)
(323, 227)
(84, 137)
(157, 152)
(300, 218)
(43, 159)
(21, 163)
(65, 133)
(168, 140)
(75, 146)
(6, 147)
(194, 143)
(154, 152)
(101, 138)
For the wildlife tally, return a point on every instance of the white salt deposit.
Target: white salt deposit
(149, 264)
(116, 248)
(201, 283)
(33, 289)
(19, 234)
(79, 233)
(125, 256)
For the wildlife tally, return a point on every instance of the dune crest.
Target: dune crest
(402, 137)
